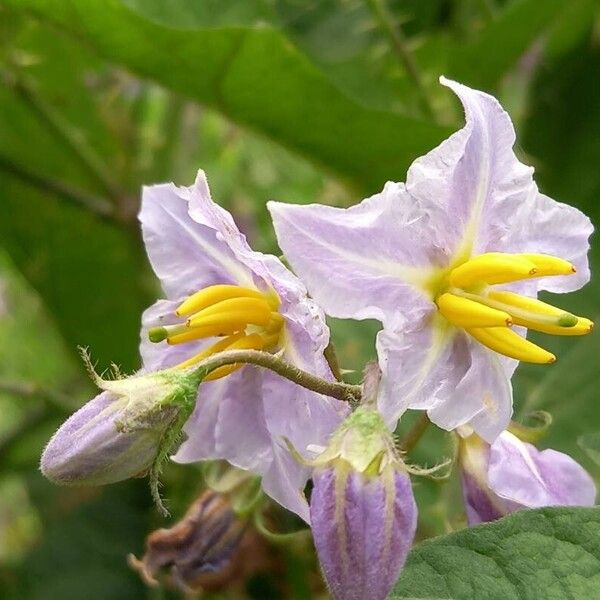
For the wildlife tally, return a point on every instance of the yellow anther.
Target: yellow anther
(549, 265)
(213, 294)
(505, 341)
(235, 311)
(275, 323)
(220, 346)
(463, 312)
(492, 268)
(198, 333)
(248, 342)
(538, 315)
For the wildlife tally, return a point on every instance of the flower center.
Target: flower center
(242, 317)
(487, 314)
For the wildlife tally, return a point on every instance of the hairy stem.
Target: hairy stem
(339, 390)
(394, 32)
(415, 432)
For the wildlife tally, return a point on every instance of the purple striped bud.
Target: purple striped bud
(120, 433)
(362, 509)
(511, 475)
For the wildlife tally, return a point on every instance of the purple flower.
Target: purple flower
(511, 475)
(218, 288)
(449, 262)
(362, 509)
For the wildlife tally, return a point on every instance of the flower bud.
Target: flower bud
(363, 512)
(510, 475)
(119, 434)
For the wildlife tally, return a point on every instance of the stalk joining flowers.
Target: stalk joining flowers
(471, 302)
(243, 318)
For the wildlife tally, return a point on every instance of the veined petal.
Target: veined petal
(185, 255)
(421, 359)
(465, 179)
(541, 225)
(363, 262)
(229, 423)
(530, 478)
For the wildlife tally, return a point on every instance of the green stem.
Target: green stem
(339, 390)
(98, 206)
(65, 132)
(399, 43)
(415, 432)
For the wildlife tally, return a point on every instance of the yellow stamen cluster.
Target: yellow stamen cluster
(487, 314)
(244, 318)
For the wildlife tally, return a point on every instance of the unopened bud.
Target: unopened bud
(120, 433)
(362, 509)
(511, 475)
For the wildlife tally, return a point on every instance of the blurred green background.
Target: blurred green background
(295, 100)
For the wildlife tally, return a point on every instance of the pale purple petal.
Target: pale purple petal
(229, 423)
(466, 178)
(420, 363)
(185, 255)
(482, 397)
(362, 262)
(285, 480)
(543, 226)
(531, 478)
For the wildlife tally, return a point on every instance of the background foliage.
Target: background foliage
(298, 100)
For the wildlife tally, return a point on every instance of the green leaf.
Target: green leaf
(88, 272)
(256, 77)
(551, 553)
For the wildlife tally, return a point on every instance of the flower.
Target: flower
(450, 263)
(362, 509)
(119, 434)
(510, 475)
(219, 288)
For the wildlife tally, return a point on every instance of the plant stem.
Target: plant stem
(339, 390)
(415, 432)
(65, 133)
(30, 389)
(98, 206)
(394, 32)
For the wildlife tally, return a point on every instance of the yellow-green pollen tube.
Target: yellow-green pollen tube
(470, 301)
(243, 318)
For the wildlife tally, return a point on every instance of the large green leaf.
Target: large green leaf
(259, 79)
(87, 271)
(548, 554)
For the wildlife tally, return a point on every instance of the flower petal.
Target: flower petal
(229, 423)
(542, 225)
(185, 255)
(465, 179)
(420, 360)
(363, 262)
(531, 478)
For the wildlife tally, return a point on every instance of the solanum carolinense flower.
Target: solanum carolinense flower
(510, 475)
(222, 295)
(362, 509)
(451, 262)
